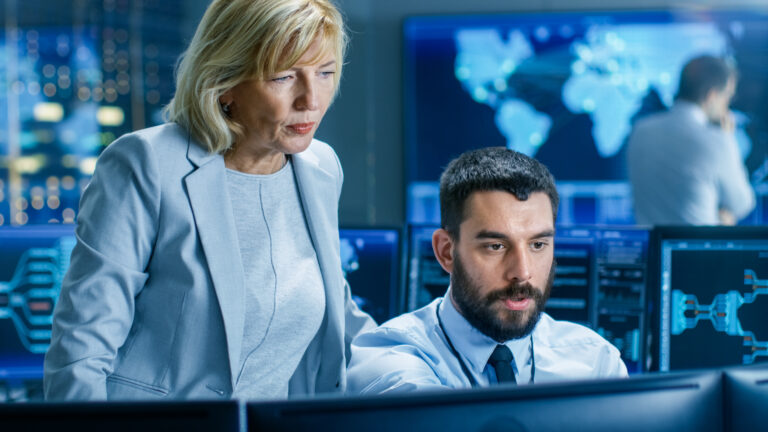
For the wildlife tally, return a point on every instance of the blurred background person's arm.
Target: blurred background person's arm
(737, 197)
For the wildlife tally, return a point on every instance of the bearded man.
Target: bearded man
(498, 210)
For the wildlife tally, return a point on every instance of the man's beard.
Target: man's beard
(479, 311)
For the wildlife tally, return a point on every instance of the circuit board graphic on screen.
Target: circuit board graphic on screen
(33, 262)
(714, 303)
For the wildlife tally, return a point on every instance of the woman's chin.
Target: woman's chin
(297, 145)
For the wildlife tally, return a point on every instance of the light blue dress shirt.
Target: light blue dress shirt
(683, 170)
(411, 352)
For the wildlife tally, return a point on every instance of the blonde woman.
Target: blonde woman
(207, 262)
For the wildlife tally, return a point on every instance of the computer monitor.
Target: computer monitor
(566, 88)
(370, 258)
(33, 261)
(708, 293)
(599, 281)
(670, 402)
(745, 394)
(190, 416)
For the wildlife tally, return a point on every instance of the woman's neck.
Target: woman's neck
(252, 162)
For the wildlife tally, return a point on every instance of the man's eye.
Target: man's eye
(538, 245)
(495, 246)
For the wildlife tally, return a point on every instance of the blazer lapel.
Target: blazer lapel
(211, 206)
(318, 191)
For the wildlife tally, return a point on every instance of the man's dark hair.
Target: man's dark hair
(489, 169)
(701, 75)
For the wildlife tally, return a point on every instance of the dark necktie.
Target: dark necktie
(501, 361)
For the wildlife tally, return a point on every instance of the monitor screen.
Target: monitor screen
(370, 259)
(745, 394)
(671, 402)
(566, 88)
(33, 261)
(711, 288)
(599, 281)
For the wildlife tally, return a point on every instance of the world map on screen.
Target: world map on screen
(612, 70)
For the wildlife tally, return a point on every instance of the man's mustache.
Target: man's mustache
(524, 289)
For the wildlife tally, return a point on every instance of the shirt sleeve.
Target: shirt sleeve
(617, 368)
(735, 192)
(390, 361)
(612, 366)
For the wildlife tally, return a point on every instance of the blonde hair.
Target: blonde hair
(238, 40)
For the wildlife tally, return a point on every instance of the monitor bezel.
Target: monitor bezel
(274, 416)
(741, 411)
(219, 415)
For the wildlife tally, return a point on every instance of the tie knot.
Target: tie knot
(500, 354)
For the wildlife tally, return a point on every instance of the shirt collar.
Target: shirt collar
(475, 346)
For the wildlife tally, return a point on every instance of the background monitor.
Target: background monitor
(190, 416)
(745, 394)
(33, 261)
(370, 258)
(671, 402)
(709, 296)
(426, 279)
(599, 281)
(565, 88)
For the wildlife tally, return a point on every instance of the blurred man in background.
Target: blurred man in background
(684, 164)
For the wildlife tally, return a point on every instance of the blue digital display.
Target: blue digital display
(566, 88)
(33, 261)
(713, 300)
(370, 259)
(599, 282)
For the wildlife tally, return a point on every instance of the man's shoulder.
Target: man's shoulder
(651, 122)
(573, 351)
(409, 328)
(400, 355)
(561, 334)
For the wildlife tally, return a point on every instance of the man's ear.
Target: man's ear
(712, 95)
(442, 245)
